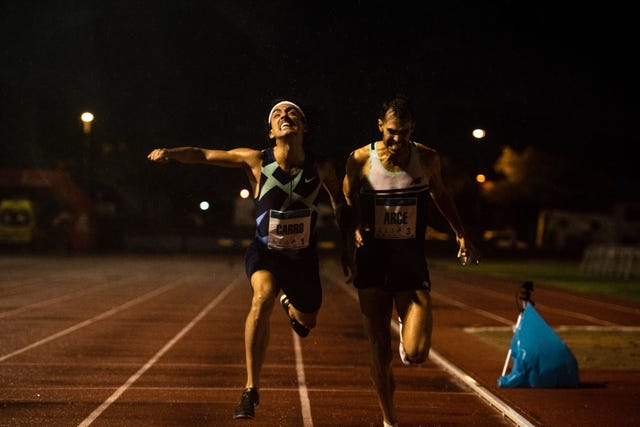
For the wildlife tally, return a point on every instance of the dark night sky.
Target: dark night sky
(162, 73)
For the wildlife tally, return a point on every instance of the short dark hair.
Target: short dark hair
(401, 107)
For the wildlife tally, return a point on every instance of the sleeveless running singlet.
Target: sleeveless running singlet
(393, 209)
(395, 203)
(287, 206)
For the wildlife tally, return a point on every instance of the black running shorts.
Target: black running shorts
(392, 267)
(299, 278)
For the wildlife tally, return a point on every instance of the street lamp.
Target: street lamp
(85, 221)
(478, 133)
(86, 118)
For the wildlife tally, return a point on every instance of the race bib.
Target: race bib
(395, 218)
(289, 230)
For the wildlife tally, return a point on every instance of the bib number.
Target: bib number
(395, 218)
(289, 230)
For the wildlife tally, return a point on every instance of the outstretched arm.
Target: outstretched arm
(231, 158)
(248, 159)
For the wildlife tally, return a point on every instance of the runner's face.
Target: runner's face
(286, 119)
(396, 133)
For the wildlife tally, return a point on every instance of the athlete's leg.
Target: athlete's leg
(376, 306)
(301, 285)
(414, 309)
(308, 320)
(257, 326)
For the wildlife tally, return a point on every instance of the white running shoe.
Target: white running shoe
(403, 355)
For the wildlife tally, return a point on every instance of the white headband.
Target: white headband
(284, 102)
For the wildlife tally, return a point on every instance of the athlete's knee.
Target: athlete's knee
(262, 301)
(418, 357)
(418, 354)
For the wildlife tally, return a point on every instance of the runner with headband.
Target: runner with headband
(286, 180)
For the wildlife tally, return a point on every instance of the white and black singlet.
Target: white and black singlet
(393, 208)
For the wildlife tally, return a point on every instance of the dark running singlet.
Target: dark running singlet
(287, 206)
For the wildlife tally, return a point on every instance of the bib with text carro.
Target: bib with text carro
(289, 230)
(395, 217)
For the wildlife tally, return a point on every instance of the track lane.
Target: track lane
(198, 379)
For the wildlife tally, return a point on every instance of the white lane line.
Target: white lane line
(457, 373)
(88, 322)
(577, 298)
(493, 400)
(305, 404)
(542, 308)
(559, 328)
(467, 307)
(100, 409)
(54, 300)
(501, 319)
(47, 302)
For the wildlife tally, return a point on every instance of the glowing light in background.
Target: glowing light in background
(204, 205)
(244, 193)
(478, 133)
(86, 118)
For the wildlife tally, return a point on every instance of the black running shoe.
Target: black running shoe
(248, 402)
(300, 329)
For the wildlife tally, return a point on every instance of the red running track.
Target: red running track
(157, 340)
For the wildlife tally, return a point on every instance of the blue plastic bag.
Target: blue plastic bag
(540, 357)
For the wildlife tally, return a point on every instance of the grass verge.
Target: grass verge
(595, 348)
(559, 274)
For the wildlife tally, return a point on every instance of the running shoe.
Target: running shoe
(248, 402)
(403, 354)
(299, 329)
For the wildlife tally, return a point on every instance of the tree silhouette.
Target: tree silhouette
(547, 181)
